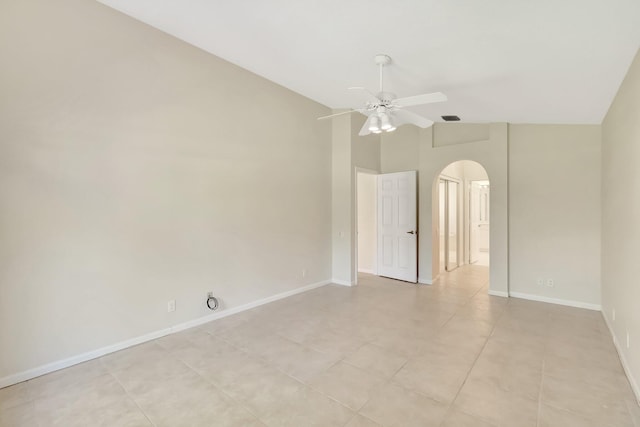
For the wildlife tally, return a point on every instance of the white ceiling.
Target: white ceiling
(519, 61)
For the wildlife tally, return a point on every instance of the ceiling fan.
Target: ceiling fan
(385, 112)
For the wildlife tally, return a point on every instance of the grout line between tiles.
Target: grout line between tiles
(132, 399)
(475, 361)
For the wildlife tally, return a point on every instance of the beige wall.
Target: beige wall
(135, 169)
(343, 263)
(350, 153)
(621, 220)
(367, 225)
(554, 212)
(553, 201)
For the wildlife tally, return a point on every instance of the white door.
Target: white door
(397, 226)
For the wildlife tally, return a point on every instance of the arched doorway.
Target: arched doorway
(461, 221)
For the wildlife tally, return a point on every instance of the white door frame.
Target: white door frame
(358, 170)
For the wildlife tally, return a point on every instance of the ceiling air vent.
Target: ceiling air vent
(451, 118)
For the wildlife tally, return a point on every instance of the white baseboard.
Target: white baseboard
(502, 294)
(341, 282)
(625, 365)
(425, 281)
(94, 354)
(83, 357)
(578, 304)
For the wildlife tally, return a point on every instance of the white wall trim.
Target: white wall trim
(342, 282)
(502, 294)
(366, 270)
(83, 357)
(578, 304)
(424, 281)
(632, 381)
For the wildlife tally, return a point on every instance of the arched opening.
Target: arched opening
(461, 223)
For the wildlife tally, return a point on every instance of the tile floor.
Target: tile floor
(384, 353)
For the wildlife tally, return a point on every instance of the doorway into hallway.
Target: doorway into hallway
(461, 219)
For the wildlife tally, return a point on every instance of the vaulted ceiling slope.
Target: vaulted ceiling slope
(544, 61)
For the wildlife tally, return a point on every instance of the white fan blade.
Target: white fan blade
(339, 114)
(401, 117)
(427, 98)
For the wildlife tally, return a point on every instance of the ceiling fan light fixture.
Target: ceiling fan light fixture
(385, 123)
(374, 124)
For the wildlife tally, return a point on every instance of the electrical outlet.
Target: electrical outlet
(171, 306)
(540, 281)
(550, 283)
(304, 273)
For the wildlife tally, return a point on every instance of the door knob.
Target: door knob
(412, 232)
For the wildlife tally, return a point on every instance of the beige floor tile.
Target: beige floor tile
(336, 343)
(552, 417)
(123, 413)
(394, 406)
(14, 395)
(605, 374)
(377, 360)
(518, 378)
(23, 415)
(514, 353)
(206, 355)
(224, 324)
(588, 400)
(142, 378)
(496, 406)
(139, 354)
(438, 374)
(102, 398)
(189, 400)
(347, 384)
(246, 336)
(307, 408)
(302, 329)
(634, 409)
(303, 363)
(459, 419)
(360, 421)
(260, 388)
(520, 337)
(172, 341)
(403, 343)
(233, 372)
(73, 376)
(460, 325)
(463, 344)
